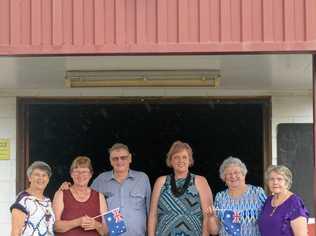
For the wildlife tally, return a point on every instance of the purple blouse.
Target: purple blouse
(278, 224)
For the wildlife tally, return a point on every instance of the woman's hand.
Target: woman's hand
(210, 212)
(88, 223)
(213, 224)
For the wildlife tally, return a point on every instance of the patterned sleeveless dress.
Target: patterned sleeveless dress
(179, 216)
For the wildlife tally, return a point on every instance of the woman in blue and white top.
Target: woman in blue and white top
(32, 213)
(237, 208)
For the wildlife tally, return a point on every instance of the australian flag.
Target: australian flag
(232, 223)
(115, 222)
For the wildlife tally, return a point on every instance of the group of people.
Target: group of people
(181, 204)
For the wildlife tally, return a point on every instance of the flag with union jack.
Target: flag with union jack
(232, 223)
(115, 222)
(236, 217)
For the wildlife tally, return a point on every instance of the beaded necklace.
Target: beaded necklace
(179, 191)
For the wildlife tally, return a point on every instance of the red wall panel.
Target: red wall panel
(156, 26)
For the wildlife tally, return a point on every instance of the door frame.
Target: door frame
(23, 115)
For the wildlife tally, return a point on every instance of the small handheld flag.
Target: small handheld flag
(115, 222)
(232, 223)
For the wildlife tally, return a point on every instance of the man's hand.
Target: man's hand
(64, 186)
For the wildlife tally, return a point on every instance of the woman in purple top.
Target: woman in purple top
(283, 213)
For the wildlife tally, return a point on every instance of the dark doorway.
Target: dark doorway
(58, 131)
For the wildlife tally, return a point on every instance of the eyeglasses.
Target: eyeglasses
(78, 172)
(276, 179)
(235, 173)
(122, 158)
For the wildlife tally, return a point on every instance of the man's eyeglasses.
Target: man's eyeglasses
(122, 158)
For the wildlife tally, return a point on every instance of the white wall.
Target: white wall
(286, 108)
(7, 167)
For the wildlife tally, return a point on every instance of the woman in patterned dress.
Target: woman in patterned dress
(32, 213)
(179, 201)
(237, 208)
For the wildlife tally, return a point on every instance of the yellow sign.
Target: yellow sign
(4, 149)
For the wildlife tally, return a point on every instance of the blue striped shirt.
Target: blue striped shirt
(132, 196)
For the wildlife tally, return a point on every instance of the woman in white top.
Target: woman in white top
(32, 212)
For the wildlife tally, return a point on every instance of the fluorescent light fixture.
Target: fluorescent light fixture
(142, 78)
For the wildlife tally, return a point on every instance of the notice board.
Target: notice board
(295, 150)
(4, 149)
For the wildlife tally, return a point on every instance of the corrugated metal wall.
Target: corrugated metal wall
(155, 26)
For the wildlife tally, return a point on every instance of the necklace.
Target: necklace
(273, 207)
(81, 196)
(277, 205)
(179, 191)
(273, 210)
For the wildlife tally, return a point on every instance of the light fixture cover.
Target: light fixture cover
(142, 78)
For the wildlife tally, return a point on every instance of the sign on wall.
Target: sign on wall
(4, 149)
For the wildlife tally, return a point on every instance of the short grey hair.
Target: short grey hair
(232, 161)
(281, 170)
(118, 146)
(39, 165)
